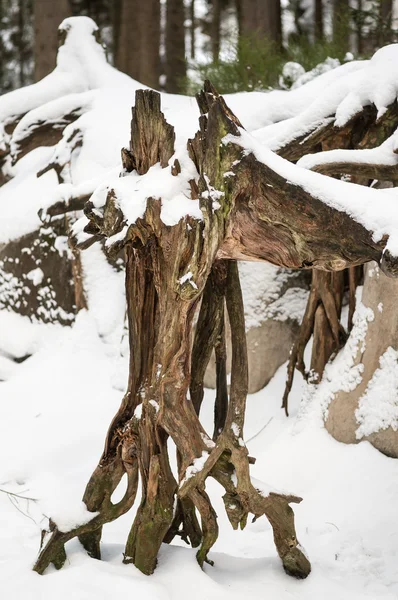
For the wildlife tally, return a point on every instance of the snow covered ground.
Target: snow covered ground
(54, 411)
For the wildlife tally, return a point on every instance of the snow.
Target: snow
(196, 467)
(235, 429)
(377, 84)
(132, 192)
(263, 296)
(188, 278)
(36, 276)
(378, 407)
(61, 429)
(22, 197)
(343, 91)
(68, 516)
(51, 112)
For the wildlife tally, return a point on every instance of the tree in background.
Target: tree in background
(136, 28)
(318, 21)
(175, 66)
(47, 15)
(16, 44)
(261, 18)
(257, 36)
(341, 9)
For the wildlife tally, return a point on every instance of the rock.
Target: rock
(36, 276)
(370, 411)
(275, 301)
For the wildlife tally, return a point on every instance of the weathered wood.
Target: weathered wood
(258, 220)
(208, 329)
(363, 130)
(43, 133)
(277, 221)
(161, 308)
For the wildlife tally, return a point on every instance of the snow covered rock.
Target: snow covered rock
(368, 409)
(36, 277)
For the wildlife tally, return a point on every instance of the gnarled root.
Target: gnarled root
(98, 499)
(321, 319)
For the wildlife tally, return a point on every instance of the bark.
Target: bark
(138, 41)
(48, 15)
(209, 331)
(262, 19)
(359, 27)
(329, 334)
(175, 67)
(321, 319)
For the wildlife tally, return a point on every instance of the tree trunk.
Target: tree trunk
(318, 21)
(341, 23)
(48, 15)
(386, 9)
(385, 21)
(138, 40)
(216, 29)
(192, 29)
(262, 19)
(175, 67)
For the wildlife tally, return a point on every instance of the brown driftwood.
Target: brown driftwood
(255, 219)
(161, 307)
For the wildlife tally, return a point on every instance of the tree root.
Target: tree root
(321, 319)
(161, 308)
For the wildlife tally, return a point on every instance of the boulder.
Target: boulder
(366, 406)
(274, 301)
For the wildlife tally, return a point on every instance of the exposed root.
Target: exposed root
(321, 319)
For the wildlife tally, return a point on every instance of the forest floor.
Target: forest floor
(54, 412)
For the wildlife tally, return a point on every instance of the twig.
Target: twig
(18, 495)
